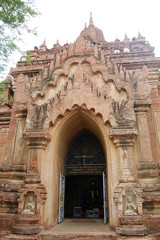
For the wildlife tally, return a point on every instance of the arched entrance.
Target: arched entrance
(85, 179)
(63, 134)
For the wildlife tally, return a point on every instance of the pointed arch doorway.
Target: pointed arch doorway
(83, 187)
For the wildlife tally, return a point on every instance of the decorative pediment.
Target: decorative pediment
(83, 72)
(81, 82)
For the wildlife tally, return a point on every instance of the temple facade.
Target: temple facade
(80, 136)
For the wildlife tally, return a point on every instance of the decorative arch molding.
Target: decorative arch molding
(98, 112)
(64, 70)
(104, 110)
(77, 119)
(78, 84)
(86, 69)
(107, 100)
(80, 110)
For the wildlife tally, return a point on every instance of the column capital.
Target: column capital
(38, 139)
(123, 136)
(142, 105)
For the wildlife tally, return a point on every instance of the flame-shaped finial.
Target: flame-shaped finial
(91, 20)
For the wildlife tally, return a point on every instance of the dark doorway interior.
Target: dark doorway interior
(84, 196)
(85, 164)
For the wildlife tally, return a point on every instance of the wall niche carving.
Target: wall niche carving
(129, 204)
(30, 204)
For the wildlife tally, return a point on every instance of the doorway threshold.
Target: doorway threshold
(85, 226)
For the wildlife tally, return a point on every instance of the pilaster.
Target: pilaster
(18, 157)
(127, 194)
(15, 160)
(32, 192)
(37, 142)
(124, 140)
(147, 168)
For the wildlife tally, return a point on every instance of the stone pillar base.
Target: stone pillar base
(132, 230)
(27, 224)
(131, 220)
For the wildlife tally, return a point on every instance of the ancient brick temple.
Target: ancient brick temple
(80, 136)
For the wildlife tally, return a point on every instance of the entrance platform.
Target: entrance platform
(87, 229)
(83, 226)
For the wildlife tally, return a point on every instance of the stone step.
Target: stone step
(93, 236)
(80, 236)
(46, 235)
(59, 237)
(17, 237)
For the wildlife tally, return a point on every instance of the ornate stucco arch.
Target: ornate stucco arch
(62, 133)
(79, 82)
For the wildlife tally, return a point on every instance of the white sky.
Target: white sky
(65, 19)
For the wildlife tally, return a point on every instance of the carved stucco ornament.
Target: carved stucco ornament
(39, 116)
(117, 117)
(128, 198)
(30, 204)
(139, 82)
(129, 204)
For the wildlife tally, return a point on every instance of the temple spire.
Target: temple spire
(43, 46)
(126, 39)
(91, 20)
(44, 43)
(140, 37)
(56, 44)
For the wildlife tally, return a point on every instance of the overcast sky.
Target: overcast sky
(65, 19)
